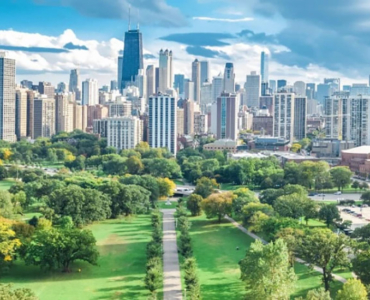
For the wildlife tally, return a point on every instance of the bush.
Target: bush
(347, 202)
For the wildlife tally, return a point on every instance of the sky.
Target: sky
(306, 40)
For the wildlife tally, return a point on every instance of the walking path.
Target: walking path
(252, 235)
(171, 269)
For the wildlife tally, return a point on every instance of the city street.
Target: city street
(332, 197)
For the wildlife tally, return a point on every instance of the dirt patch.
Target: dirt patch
(113, 244)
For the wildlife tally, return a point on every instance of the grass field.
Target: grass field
(162, 204)
(6, 184)
(119, 275)
(214, 248)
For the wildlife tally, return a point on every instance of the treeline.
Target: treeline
(189, 265)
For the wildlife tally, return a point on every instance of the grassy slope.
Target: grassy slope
(215, 250)
(120, 273)
(6, 184)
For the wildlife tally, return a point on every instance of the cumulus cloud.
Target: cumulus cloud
(227, 20)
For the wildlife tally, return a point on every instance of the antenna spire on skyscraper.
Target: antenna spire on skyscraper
(129, 17)
(138, 19)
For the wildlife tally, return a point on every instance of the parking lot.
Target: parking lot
(357, 221)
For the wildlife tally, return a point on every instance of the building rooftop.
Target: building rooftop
(241, 155)
(295, 156)
(224, 142)
(358, 150)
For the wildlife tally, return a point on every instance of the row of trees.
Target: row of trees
(154, 267)
(185, 248)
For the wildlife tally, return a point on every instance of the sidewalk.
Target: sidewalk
(171, 269)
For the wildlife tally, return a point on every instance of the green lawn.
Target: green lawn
(162, 204)
(50, 165)
(6, 184)
(119, 275)
(214, 248)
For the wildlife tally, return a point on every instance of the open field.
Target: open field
(214, 248)
(119, 274)
(6, 184)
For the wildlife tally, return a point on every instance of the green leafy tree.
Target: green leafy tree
(134, 165)
(58, 249)
(191, 279)
(325, 249)
(366, 197)
(243, 196)
(361, 265)
(291, 237)
(362, 234)
(329, 213)
(318, 294)
(6, 205)
(266, 271)
(355, 185)
(154, 275)
(8, 293)
(205, 187)
(218, 205)
(194, 204)
(341, 177)
(353, 289)
(251, 209)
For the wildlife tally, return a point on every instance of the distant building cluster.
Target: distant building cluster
(155, 104)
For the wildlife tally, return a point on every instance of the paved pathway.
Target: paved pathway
(252, 235)
(171, 269)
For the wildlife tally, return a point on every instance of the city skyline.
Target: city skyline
(208, 31)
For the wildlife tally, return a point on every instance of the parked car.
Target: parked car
(365, 205)
(312, 194)
(320, 195)
(338, 193)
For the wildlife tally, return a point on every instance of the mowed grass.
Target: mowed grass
(214, 247)
(6, 184)
(119, 274)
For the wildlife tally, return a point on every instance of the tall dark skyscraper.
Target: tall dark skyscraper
(281, 83)
(132, 56)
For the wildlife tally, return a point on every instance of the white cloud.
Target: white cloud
(223, 19)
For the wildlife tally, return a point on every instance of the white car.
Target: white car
(338, 193)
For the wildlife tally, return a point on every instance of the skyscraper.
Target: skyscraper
(45, 88)
(140, 83)
(227, 116)
(163, 122)
(63, 113)
(272, 86)
(281, 83)
(179, 83)
(189, 109)
(62, 87)
(132, 56)
(189, 90)
(217, 87)
(334, 83)
(150, 81)
(300, 117)
(113, 85)
(229, 78)
(165, 71)
(195, 77)
(44, 117)
(119, 72)
(264, 67)
(323, 91)
(204, 72)
(300, 88)
(253, 89)
(21, 113)
(74, 83)
(90, 92)
(284, 116)
(311, 90)
(7, 98)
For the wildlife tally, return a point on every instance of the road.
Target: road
(332, 197)
(171, 269)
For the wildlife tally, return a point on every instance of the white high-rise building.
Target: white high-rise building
(195, 77)
(217, 87)
(124, 132)
(205, 96)
(7, 98)
(44, 117)
(272, 86)
(300, 88)
(253, 89)
(163, 122)
(140, 82)
(264, 67)
(150, 81)
(21, 116)
(204, 72)
(283, 121)
(165, 71)
(229, 78)
(189, 90)
(90, 92)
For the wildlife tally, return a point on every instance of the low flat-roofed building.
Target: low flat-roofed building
(224, 144)
(241, 155)
(357, 159)
(270, 144)
(285, 157)
(330, 147)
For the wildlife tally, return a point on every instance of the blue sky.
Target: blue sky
(307, 40)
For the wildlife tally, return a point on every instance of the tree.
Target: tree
(243, 196)
(218, 205)
(291, 237)
(362, 234)
(154, 275)
(134, 165)
(266, 271)
(205, 187)
(353, 289)
(290, 206)
(166, 187)
(319, 294)
(57, 249)
(251, 209)
(6, 205)
(194, 204)
(361, 266)
(162, 167)
(191, 279)
(8, 293)
(329, 213)
(8, 242)
(366, 197)
(355, 185)
(325, 249)
(296, 147)
(341, 176)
